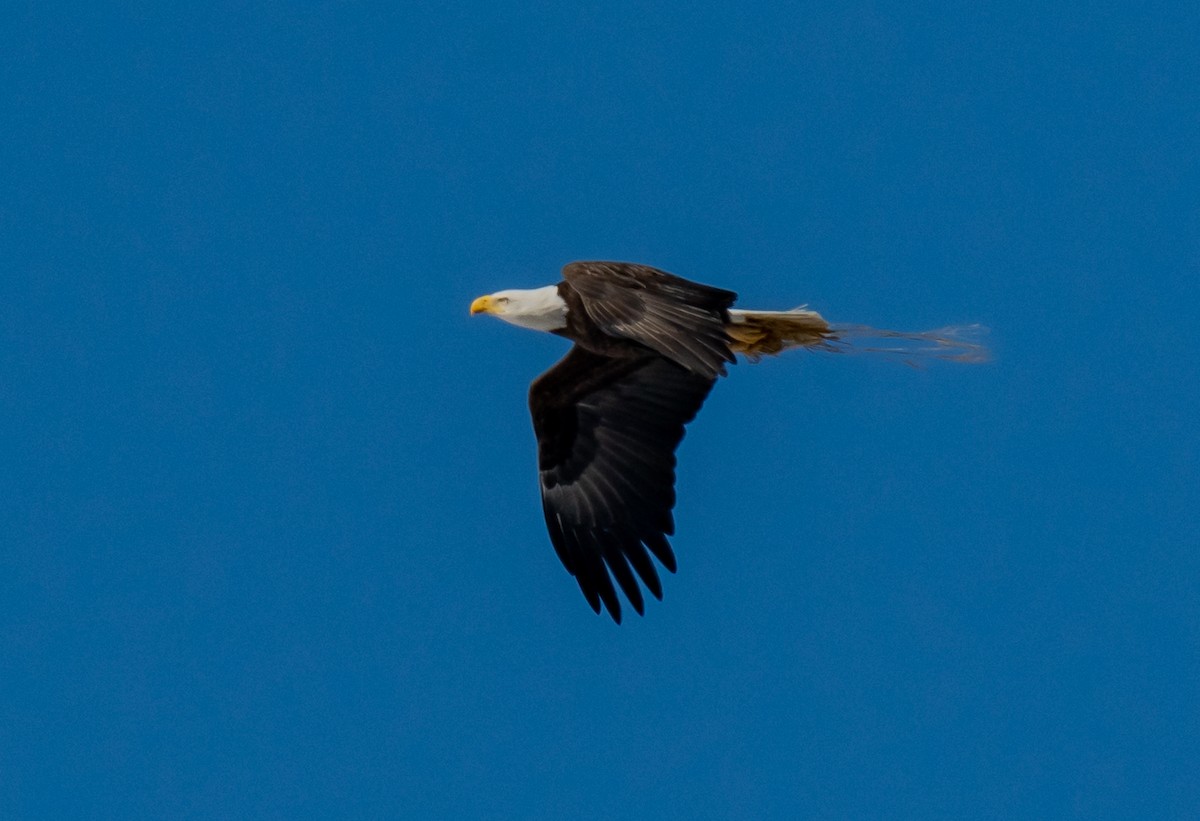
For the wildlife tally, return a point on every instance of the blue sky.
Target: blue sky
(271, 540)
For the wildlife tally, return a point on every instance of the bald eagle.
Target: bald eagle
(649, 347)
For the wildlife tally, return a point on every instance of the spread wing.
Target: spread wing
(607, 429)
(684, 321)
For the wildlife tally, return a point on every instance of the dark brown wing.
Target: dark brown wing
(607, 429)
(684, 321)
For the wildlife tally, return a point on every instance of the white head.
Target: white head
(540, 309)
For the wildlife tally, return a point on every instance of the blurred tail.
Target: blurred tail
(756, 334)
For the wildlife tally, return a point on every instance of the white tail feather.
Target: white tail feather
(762, 333)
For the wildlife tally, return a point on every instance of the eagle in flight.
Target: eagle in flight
(649, 346)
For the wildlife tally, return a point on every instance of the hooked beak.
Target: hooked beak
(483, 305)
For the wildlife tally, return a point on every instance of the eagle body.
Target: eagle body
(608, 417)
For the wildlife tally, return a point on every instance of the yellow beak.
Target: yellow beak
(483, 305)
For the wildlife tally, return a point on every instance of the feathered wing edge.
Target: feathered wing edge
(607, 431)
(682, 320)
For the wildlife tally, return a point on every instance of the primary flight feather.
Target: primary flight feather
(609, 415)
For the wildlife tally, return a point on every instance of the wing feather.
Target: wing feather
(607, 429)
(682, 320)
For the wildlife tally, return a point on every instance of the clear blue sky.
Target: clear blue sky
(272, 546)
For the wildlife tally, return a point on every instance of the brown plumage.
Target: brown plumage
(649, 347)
